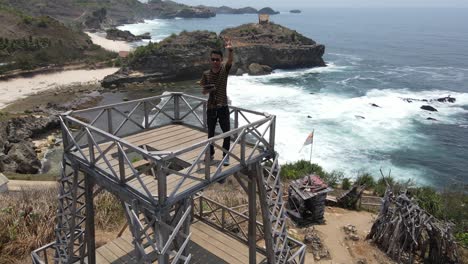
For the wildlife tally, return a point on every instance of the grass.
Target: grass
(28, 219)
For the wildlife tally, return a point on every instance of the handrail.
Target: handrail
(121, 103)
(35, 254)
(115, 154)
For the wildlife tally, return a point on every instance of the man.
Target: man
(214, 82)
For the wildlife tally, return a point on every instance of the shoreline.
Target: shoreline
(17, 88)
(111, 45)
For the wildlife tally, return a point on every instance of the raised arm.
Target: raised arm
(228, 46)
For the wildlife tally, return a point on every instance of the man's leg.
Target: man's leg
(225, 124)
(211, 120)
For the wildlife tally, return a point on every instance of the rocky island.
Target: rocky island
(237, 11)
(260, 48)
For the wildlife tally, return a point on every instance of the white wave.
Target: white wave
(434, 73)
(357, 78)
(341, 141)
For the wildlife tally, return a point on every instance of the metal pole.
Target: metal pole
(311, 145)
(109, 121)
(145, 109)
(89, 234)
(273, 133)
(265, 213)
(176, 108)
(252, 219)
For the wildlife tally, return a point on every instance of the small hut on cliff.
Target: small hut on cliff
(263, 19)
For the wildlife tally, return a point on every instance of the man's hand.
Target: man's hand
(228, 43)
(228, 46)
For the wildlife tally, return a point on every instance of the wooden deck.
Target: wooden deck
(207, 245)
(167, 138)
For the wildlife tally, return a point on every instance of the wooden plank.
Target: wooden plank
(107, 254)
(177, 143)
(211, 240)
(100, 259)
(212, 247)
(123, 256)
(204, 230)
(150, 131)
(226, 246)
(158, 135)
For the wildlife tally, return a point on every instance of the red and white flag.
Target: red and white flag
(310, 139)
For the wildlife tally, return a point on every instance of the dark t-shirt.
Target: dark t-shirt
(219, 96)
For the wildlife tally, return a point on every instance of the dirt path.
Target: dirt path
(343, 250)
(15, 185)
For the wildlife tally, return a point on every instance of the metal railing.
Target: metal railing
(41, 255)
(234, 223)
(97, 137)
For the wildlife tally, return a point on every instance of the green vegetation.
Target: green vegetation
(365, 179)
(346, 184)
(448, 204)
(301, 168)
(143, 51)
(33, 42)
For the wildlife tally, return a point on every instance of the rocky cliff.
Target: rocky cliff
(258, 50)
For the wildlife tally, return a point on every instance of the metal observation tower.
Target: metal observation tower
(150, 153)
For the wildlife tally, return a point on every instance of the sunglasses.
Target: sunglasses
(215, 59)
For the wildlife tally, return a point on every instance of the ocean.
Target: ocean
(375, 59)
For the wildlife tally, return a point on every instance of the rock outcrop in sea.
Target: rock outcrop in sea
(268, 10)
(259, 49)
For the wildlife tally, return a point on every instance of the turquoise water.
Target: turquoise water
(374, 56)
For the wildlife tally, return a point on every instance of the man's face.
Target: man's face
(216, 60)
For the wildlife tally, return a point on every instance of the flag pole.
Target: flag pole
(311, 145)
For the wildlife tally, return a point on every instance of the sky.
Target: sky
(291, 4)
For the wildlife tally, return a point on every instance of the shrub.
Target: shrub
(345, 184)
(300, 169)
(381, 185)
(333, 178)
(365, 179)
(428, 199)
(462, 238)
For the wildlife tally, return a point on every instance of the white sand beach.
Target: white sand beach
(17, 88)
(112, 45)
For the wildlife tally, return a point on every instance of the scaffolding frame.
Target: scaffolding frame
(98, 154)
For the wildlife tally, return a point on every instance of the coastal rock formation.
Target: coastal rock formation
(188, 12)
(23, 155)
(125, 35)
(95, 19)
(185, 56)
(295, 11)
(268, 10)
(446, 99)
(17, 153)
(230, 10)
(428, 108)
(257, 69)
